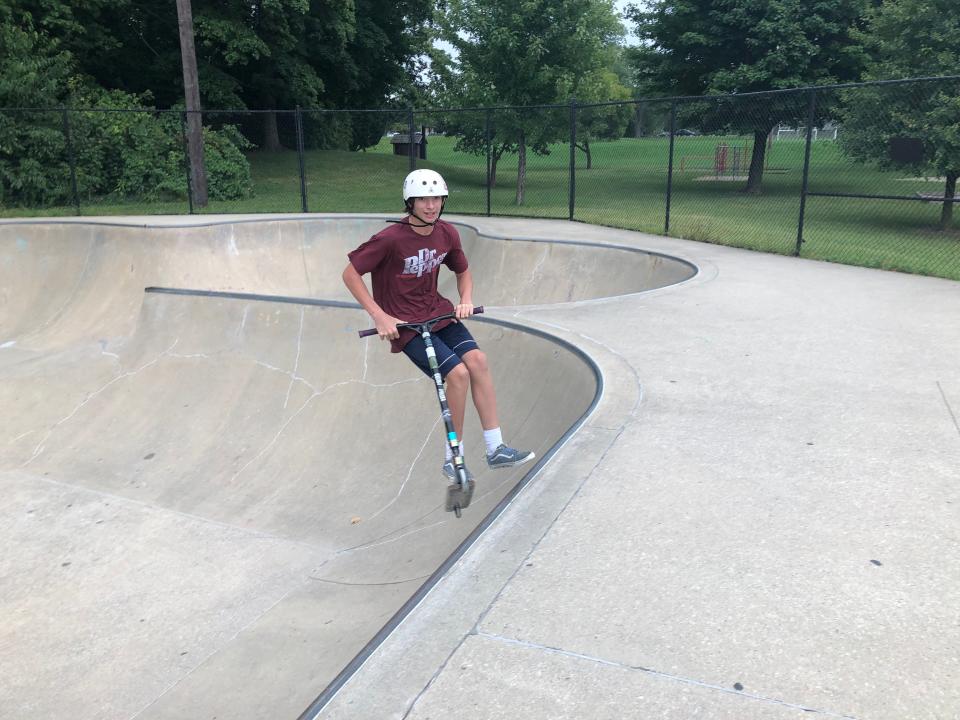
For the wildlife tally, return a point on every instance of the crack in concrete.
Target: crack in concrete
(413, 464)
(303, 258)
(40, 446)
(293, 377)
(243, 321)
(316, 394)
(378, 543)
(946, 402)
(22, 435)
(534, 273)
(76, 288)
(658, 674)
(296, 363)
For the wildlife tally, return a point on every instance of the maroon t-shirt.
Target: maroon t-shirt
(404, 267)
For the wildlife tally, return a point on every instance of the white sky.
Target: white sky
(618, 5)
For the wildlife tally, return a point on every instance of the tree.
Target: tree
(909, 38)
(523, 53)
(603, 122)
(198, 173)
(257, 54)
(643, 121)
(34, 72)
(119, 154)
(380, 62)
(699, 47)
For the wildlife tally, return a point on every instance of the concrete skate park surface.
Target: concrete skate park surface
(201, 487)
(210, 503)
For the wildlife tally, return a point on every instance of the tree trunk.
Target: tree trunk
(950, 192)
(494, 159)
(271, 137)
(586, 149)
(521, 168)
(639, 110)
(755, 178)
(191, 91)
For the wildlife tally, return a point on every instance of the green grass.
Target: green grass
(626, 188)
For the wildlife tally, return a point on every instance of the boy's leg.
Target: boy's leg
(481, 388)
(485, 400)
(475, 373)
(457, 382)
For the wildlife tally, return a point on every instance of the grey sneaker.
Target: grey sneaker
(451, 474)
(504, 457)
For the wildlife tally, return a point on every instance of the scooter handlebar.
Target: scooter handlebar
(449, 316)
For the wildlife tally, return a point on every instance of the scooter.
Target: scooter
(460, 491)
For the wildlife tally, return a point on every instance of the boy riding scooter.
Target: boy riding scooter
(404, 261)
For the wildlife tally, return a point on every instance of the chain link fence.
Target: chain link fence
(883, 194)
(862, 174)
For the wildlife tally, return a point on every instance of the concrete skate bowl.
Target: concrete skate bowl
(225, 498)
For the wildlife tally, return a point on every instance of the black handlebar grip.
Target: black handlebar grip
(373, 331)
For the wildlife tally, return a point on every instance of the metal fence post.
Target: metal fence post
(186, 154)
(410, 146)
(298, 123)
(73, 161)
(487, 137)
(673, 127)
(811, 118)
(573, 155)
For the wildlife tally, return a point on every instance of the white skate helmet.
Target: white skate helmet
(424, 183)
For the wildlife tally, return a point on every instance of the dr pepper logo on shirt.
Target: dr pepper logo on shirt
(425, 261)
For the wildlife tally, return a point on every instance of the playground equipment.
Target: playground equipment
(726, 161)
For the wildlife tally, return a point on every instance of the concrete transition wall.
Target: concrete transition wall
(212, 495)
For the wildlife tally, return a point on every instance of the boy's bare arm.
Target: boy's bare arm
(465, 286)
(386, 324)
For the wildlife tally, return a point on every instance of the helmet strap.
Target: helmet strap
(424, 223)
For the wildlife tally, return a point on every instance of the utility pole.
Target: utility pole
(191, 90)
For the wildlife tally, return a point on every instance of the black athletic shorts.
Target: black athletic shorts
(450, 344)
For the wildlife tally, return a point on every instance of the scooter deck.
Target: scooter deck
(458, 497)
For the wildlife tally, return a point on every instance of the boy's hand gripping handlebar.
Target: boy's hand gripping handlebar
(418, 325)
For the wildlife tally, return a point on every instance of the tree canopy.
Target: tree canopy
(257, 54)
(696, 47)
(111, 152)
(903, 39)
(527, 53)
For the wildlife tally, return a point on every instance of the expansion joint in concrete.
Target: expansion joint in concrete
(406, 581)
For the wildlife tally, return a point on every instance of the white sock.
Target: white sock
(493, 439)
(448, 453)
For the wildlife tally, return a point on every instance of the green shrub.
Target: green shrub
(228, 171)
(118, 149)
(133, 153)
(34, 73)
